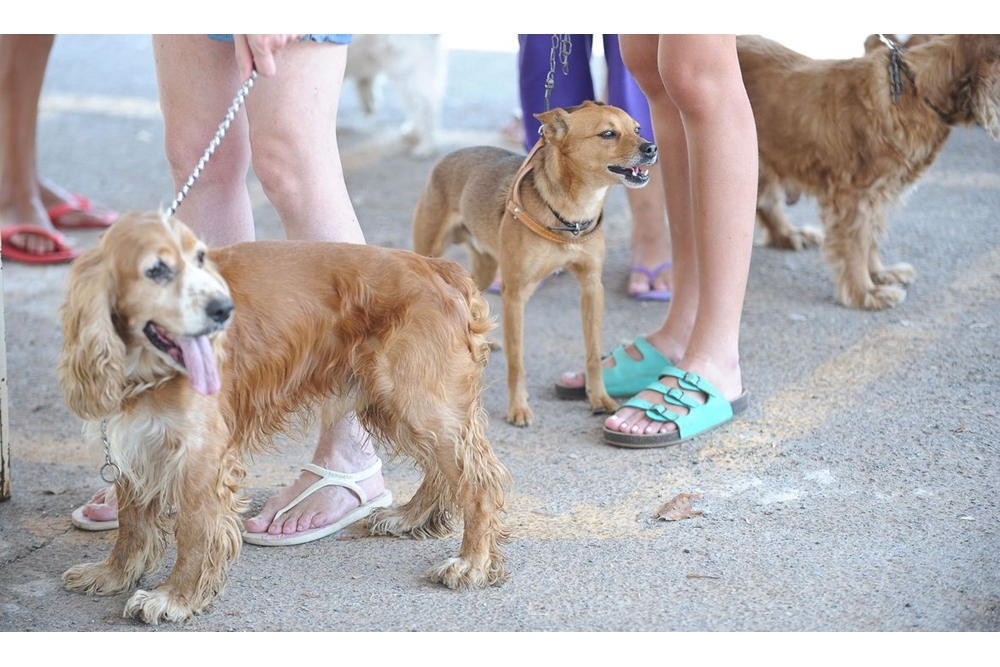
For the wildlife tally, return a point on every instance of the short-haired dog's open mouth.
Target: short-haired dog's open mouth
(637, 175)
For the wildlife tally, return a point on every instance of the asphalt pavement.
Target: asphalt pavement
(856, 494)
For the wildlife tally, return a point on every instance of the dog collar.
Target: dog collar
(574, 228)
(517, 210)
(898, 66)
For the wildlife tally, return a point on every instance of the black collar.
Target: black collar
(568, 226)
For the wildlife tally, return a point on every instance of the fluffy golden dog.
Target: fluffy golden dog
(531, 216)
(855, 134)
(183, 361)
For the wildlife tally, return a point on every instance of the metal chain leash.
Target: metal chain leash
(563, 46)
(110, 472)
(895, 65)
(216, 140)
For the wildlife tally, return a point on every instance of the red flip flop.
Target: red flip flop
(61, 254)
(79, 204)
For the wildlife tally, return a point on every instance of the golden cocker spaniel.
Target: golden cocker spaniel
(184, 361)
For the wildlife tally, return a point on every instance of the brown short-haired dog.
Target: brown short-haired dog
(531, 216)
(184, 361)
(855, 134)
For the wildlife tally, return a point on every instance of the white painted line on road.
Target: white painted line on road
(124, 107)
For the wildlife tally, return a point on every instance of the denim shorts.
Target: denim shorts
(333, 39)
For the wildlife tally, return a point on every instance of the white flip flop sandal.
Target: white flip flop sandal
(82, 522)
(326, 478)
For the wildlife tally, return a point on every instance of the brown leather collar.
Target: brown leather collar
(517, 210)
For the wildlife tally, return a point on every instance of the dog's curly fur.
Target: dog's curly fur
(832, 130)
(297, 328)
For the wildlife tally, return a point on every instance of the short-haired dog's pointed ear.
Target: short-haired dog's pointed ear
(585, 104)
(553, 124)
(92, 363)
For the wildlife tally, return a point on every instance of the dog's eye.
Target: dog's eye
(160, 272)
(608, 134)
(200, 257)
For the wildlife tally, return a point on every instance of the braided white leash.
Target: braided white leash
(216, 140)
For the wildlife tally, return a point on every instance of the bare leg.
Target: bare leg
(25, 198)
(292, 128)
(650, 236)
(197, 79)
(293, 133)
(294, 138)
(20, 87)
(704, 126)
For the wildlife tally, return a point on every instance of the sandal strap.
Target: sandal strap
(678, 396)
(627, 373)
(348, 480)
(640, 343)
(651, 273)
(75, 204)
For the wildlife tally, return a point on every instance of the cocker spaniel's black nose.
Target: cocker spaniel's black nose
(219, 309)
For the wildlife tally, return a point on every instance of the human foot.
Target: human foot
(320, 502)
(627, 370)
(32, 244)
(27, 228)
(98, 513)
(650, 284)
(67, 210)
(678, 406)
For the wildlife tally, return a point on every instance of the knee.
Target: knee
(292, 167)
(639, 54)
(690, 90)
(279, 171)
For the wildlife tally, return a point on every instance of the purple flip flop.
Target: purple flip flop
(652, 294)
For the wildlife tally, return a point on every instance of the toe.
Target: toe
(638, 284)
(257, 524)
(573, 379)
(100, 512)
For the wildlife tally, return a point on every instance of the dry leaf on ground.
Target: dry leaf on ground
(679, 507)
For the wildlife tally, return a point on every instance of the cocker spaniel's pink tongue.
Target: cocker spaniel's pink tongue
(200, 363)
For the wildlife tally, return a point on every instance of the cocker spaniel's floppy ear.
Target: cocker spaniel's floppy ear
(92, 362)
